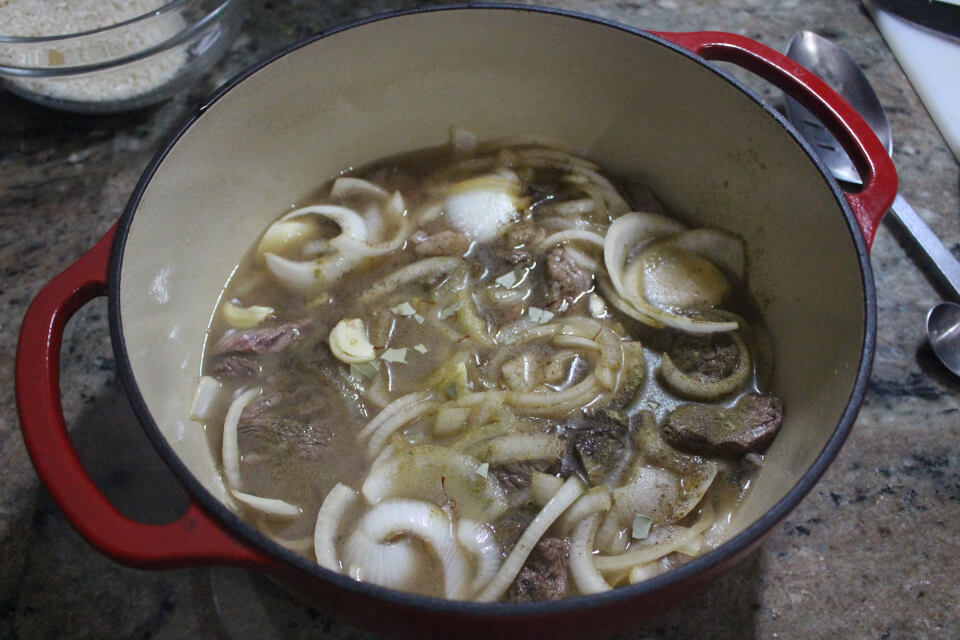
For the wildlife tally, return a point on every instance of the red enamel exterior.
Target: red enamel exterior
(194, 538)
(198, 539)
(858, 140)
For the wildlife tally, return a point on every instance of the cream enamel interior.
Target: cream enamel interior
(637, 107)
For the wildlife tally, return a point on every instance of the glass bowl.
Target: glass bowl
(133, 63)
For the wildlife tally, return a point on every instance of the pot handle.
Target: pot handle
(195, 538)
(854, 134)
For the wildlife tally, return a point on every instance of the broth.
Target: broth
(478, 372)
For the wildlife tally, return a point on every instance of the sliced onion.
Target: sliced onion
(352, 243)
(269, 506)
(390, 564)
(585, 574)
(611, 536)
(391, 409)
(231, 445)
(205, 399)
(650, 491)
(722, 248)
(690, 386)
(480, 433)
(717, 533)
(626, 234)
(615, 201)
(596, 500)
(429, 523)
(583, 260)
(335, 505)
(606, 288)
(693, 489)
(437, 474)
(395, 422)
(577, 207)
(427, 212)
(647, 571)
(611, 357)
(644, 554)
(450, 420)
(571, 235)
(508, 571)
(480, 540)
(373, 218)
(481, 208)
(245, 317)
(575, 342)
(284, 233)
(517, 447)
(420, 271)
(362, 249)
(346, 187)
(301, 276)
(672, 279)
(549, 402)
(350, 222)
(543, 486)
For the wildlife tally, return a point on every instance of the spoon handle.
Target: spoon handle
(943, 261)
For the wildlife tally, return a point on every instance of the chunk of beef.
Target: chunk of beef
(710, 430)
(518, 257)
(517, 475)
(282, 424)
(657, 452)
(259, 340)
(544, 575)
(714, 356)
(510, 526)
(567, 282)
(522, 233)
(599, 444)
(444, 243)
(333, 385)
(297, 419)
(633, 376)
(235, 365)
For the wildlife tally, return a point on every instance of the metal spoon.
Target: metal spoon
(838, 69)
(943, 330)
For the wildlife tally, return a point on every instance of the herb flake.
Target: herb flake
(641, 527)
(507, 280)
(395, 355)
(540, 316)
(447, 312)
(404, 309)
(364, 369)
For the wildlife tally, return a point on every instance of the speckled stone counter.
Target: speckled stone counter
(872, 552)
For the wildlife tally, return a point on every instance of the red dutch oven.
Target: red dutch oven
(644, 105)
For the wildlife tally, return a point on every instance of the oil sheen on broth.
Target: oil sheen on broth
(488, 372)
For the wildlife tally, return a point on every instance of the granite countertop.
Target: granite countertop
(873, 551)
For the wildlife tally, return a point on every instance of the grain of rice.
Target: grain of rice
(37, 18)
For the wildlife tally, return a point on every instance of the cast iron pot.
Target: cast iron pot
(642, 104)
